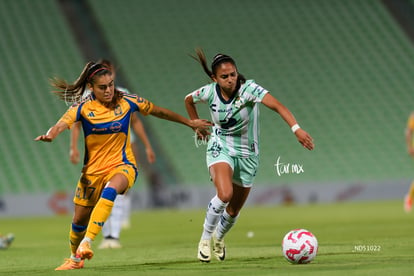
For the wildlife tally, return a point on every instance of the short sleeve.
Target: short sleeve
(253, 91)
(201, 95)
(145, 106)
(70, 116)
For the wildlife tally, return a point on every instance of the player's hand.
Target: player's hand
(74, 156)
(44, 138)
(203, 134)
(305, 139)
(200, 124)
(150, 155)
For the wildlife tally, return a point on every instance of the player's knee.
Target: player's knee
(225, 196)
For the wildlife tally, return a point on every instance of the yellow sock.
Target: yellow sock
(74, 239)
(99, 215)
(411, 191)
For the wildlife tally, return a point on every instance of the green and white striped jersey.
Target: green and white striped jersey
(236, 125)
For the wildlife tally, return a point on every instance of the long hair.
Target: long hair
(217, 60)
(72, 92)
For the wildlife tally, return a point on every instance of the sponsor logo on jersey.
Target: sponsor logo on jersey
(115, 127)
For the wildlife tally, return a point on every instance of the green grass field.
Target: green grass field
(364, 238)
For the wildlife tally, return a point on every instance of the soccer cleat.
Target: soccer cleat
(110, 243)
(408, 203)
(115, 244)
(70, 264)
(105, 244)
(84, 250)
(219, 249)
(204, 251)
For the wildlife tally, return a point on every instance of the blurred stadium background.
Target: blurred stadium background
(344, 68)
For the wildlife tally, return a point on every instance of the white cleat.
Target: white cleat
(219, 249)
(204, 251)
(110, 243)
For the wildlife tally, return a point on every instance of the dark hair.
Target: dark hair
(217, 60)
(73, 92)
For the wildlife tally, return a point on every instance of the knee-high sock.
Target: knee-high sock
(101, 213)
(126, 220)
(226, 223)
(214, 210)
(76, 234)
(112, 227)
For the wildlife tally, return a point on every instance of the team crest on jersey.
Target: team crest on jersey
(238, 102)
(118, 110)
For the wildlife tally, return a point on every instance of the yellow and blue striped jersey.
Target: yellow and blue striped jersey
(106, 131)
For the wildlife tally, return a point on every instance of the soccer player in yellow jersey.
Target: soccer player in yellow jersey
(408, 199)
(109, 164)
(120, 215)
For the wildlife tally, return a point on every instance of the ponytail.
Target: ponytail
(217, 60)
(72, 93)
(201, 58)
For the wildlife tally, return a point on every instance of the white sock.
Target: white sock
(86, 239)
(106, 229)
(126, 211)
(76, 259)
(116, 218)
(214, 210)
(226, 223)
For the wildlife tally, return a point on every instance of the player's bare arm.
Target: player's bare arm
(166, 114)
(53, 132)
(303, 137)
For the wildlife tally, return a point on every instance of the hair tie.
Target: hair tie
(219, 58)
(96, 71)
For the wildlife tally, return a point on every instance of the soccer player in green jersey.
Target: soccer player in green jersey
(233, 146)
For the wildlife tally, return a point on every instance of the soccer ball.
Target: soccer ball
(299, 246)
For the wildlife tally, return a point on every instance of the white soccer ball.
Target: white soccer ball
(299, 246)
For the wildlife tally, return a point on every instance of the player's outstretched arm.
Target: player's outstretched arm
(52, 133)
(303, 137)
(166, 114)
